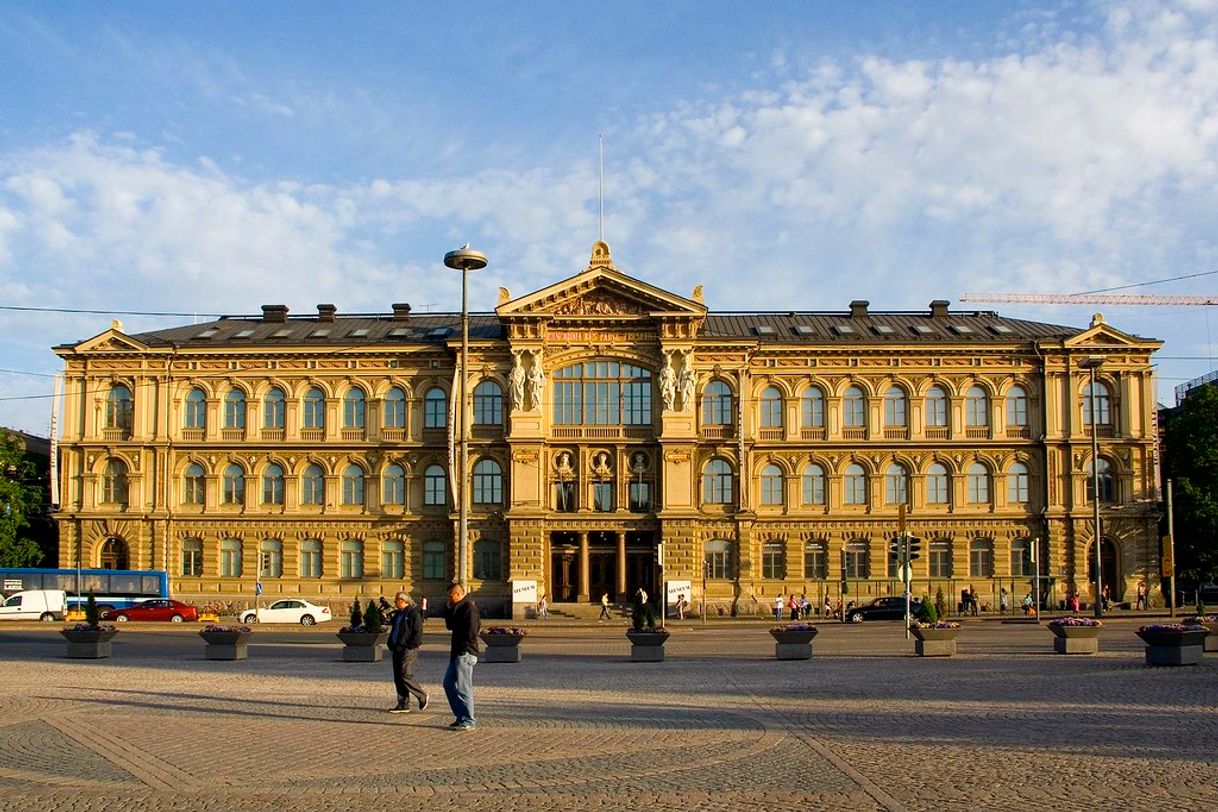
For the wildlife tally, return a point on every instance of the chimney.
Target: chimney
(401, 311)
(275, 313)
(325, 312)
(938, 308)
(858, 309)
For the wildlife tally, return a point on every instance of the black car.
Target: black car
(890, 608)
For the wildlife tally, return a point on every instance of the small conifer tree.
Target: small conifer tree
(92, 615)
(929, 614)
(357, 616)
(372, 618)
(940, 604)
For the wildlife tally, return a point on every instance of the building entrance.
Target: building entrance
(586, 565)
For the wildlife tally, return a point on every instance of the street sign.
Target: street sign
(1167, 562)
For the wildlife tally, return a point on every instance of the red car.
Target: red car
(156, 609)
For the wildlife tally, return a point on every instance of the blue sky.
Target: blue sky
(158, 156)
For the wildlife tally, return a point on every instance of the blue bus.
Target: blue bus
(113, 589)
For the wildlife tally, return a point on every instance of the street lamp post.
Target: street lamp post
(1091, 364)
(464, 259)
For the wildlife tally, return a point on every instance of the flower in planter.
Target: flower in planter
(216, 627)
(513, 630)
(1199, 619)
(85, 627)
(653, 630)
(794, 627)
(1075, 620)
(942, 624)
(1170, 627)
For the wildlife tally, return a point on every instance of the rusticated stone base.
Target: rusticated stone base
(793, 651)
(225, 651)
(1174, 655)
(934, 648)
(646, 654)
(362, 654)
(500, 654)
(1076, 645)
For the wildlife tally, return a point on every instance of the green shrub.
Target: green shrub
(929, 613)
(642, 614)
(92, 615)
(357, 616)
(940, 604)
(372, 618)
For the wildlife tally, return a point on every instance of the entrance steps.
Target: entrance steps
(584, 611)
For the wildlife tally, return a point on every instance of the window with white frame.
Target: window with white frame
(977, 480)
(976, 407)
(854, 408)
(1017, 483)
(717, 554)
(353, 485)
(435, 409)
(196, 409)
(771, 485)
(895, 411)
(816, 561)
(115, 483)
(936, 407)
(314, 409)
(234, 409)
(393, 559)
(274, 412)
(192, 557)
(230, 558)
(937, 485)
(233, 482)
(814, 485)
(393, 483)
(771, 408)
(271, 561)
(941, 558)
(272, 485)
(773, 560)
(313, 485)
(351, 559)
(435, 485)
(717, 406)
(1017, 406)
(717, 482)
(120, 408)
(981, 558)
(854, 481)
(393, 409)
(488, 404)
(355, 409)
(812, 408)
(488, 483)
(896, 485)
(310, 558)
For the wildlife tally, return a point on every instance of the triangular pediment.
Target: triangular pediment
(1103, 335)
(599, 291)
(113, 340)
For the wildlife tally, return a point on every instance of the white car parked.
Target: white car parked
(288, 610)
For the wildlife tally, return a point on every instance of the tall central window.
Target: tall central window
(602, 393)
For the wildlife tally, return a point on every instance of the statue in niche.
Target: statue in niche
(688, 381)
(516, 381)
(600, 465)
(562, 464)
(668, 383)
(537, 382)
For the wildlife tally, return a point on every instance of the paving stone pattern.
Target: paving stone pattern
(721, 724)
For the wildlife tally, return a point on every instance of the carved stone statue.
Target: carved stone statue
(516, 379)
(600, 465)
(562, 464)
(537, 382)
(688, 381)
(668, 383)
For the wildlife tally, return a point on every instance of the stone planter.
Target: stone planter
(1174, 647)
(501, 648)
(648, 646)
(934, 642)
(1076, 639)
(363, 647)
(225, 645)
(88, 644)
(1211, 639)
(793, 645)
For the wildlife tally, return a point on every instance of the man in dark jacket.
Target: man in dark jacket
(405, 637)
(461, 617)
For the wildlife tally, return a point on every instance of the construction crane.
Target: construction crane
(1089, 298)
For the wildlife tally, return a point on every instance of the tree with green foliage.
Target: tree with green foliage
(928, 613)
(1190, 440)
(20, 499)
(372, 618)
(940, 604)
(357, 615)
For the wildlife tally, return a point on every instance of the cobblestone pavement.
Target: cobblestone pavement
(720, 725)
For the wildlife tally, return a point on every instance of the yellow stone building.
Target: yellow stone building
(770, 452)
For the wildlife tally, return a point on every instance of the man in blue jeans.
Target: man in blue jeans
(461, 617)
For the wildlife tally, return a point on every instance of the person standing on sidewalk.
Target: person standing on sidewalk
(405, 637)
(604, 608)
(462, 619)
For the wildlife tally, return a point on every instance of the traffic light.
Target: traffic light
(894, 545)
(915, 548)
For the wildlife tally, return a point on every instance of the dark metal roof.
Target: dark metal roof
(345, 331)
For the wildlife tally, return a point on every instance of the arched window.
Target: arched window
(937, 485)
(814, 485)
(773, 560)
(978, 481)
(895, 412)
(394, 485)
(272, 485)
(488, 404)
(941, 558)
(393, 409)
(113, 554)
(230, 558)
(816, 561)
(234, 409)
(717, 482)
(1102, 398)
(812, 408)
(355, 409)
(1021, 558)
(314, 409)
(717, 555)
(858, 559)
(855, 482)
(234, 485)
(896, 485)
(192, 557)
(1017, 483)
(771, 485)
(598, 393)
(717, 408)
(433, 560)
(435, 409)
(936, 408)
(120, 408)
(1017, 406)
(393, 559)
(771, 408)
(351, 559)
(114, 483)
(310, 558)
(976, 407)
(353, 485)
(981, 558)
(435, 483)
(273, 409)
(488, 560)
(271, 560)
(488, 483)
(854, 408)
(1107, 482)
(313, 486)
(196, 409)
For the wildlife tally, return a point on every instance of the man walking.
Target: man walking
(604, 608)
(405, 637)
(461, 617)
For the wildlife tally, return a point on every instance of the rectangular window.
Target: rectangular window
(936, 489)
(310, 559)
(564, 497)
(718, 564)
(1017, 487)
(393, 564)
(640, 497)
(351, 562)
(433, 561)
(602, 496)
(192, 557)
(815, 563)
(773, 562)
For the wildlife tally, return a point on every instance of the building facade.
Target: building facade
(771, 453)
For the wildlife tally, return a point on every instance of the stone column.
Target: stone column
(621, 565)
(585, 574)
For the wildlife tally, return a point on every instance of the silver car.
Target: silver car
(288, 610)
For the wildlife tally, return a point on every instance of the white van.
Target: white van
(35, 604)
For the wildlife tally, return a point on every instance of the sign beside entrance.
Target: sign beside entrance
(524, 599)
(675, 589)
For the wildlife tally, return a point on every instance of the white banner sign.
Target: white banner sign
(675, 590)
(524, 593)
